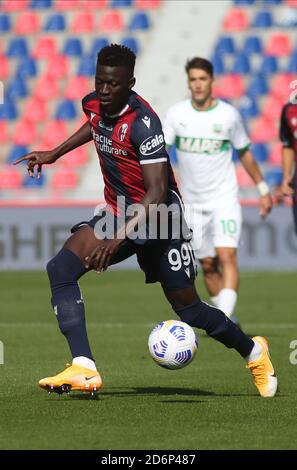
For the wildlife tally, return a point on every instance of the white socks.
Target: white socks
(255, 353)
(226, 301)
(84, 362)
(214, 300)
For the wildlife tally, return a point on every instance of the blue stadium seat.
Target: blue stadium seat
(243, 2)
(274, 177)
(139, 21)
(27, 68)
(97, 45)
(172, 155)
(5, 23)
(72, 47)
(258, 85)
(38, 4)
(132, 43)
(218, 65)
(121, 3)
(272, 2)
(16, 88)
(8, 110)
(248, 107)
(225, 45)
(34, 182)
(17, 47)
(241, 64)
(87, 66)
(66, 110)
(55, 22)
(252, 45)
(292, 63)
(235, 155)
(263, 19)
(269, 65)
(17, 151)
(260, 152)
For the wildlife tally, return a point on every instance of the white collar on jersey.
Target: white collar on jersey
(118, 114)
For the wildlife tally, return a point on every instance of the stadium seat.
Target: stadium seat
(17, 47)
(24, 132)
(36, 110)
(236, 19)
(83, 22)
(57, 67)
(258, 85)
(172, 154)
(218, 65)
(87, 66)
(269, 65)
(132, 43)
(8, 110)
(40, 4)
(243, 178)
(230, 86)
(55, 22)
(281, 86)
(291, 3)
(16, 88)
(244, 2)
(263, 19)
(14, 5)
(120, 3)
(147, 4)
(260, 152)
(66, 4)
(275, 156)
(4, 67)
(3, 132)
(111, 21)
(97, 45)
(64, 179)
(139, 21)
(10, 178)
(241, 65)
(235, 155)
(78, 157)
(273, 2)
(17, 151)
(225, 45)
(279, 44)
(29, 182)
(263, 130)
(45, 47)
(248, 107)
(5, 23)
(66, 110)
(54, 133)
(46, 87)
(26, 68)
(252, 45)
(77, 88)
(94, 4)
(72, 47)
(272, 107)
(27, 23)
(274, 177)
(292, 63)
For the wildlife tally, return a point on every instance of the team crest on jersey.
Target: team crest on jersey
(217, 128)
(122, 132)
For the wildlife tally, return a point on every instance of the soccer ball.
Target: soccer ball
(173, 344)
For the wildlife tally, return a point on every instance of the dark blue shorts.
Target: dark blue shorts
(170, 262)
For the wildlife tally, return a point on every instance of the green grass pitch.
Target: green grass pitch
(211, 404)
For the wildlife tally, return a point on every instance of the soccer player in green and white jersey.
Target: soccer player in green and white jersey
(204, 130)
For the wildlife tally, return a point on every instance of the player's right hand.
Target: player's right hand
(37, 159)
(286, 188)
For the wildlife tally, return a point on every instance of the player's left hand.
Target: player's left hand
(265, 205)
(101, 256)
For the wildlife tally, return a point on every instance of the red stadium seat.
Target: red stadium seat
(4, 67)
(77, 157)
(54, 133)
(10, 178)
(244, 180)
(281, 86)
(272, 106)
(77, 88)
(24, 132)
(66, 4)
(36, 110)
(279, 44)
(291, 3)
(147, 4)
(83, 22)
(14, 5)
(275, 156)
(229, 87)
(78, 124)
(46, 88)
(27, 23)
(64, 179)
(3, 132)
(263, 130)
(57, 67)
(236, 20)
(45, 47)
(111, 21)
(94, 4)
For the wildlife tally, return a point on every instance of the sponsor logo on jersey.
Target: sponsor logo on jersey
(103, 126)
(209, 146)
(105, 144)
(122, 132)
(152, 144)
(147, 121)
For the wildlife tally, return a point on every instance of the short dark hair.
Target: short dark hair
(116, 55)
(200, 63)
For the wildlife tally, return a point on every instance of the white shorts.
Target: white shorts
(219, 227)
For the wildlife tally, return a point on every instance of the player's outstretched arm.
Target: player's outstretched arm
(80, 137)
(252, 168)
